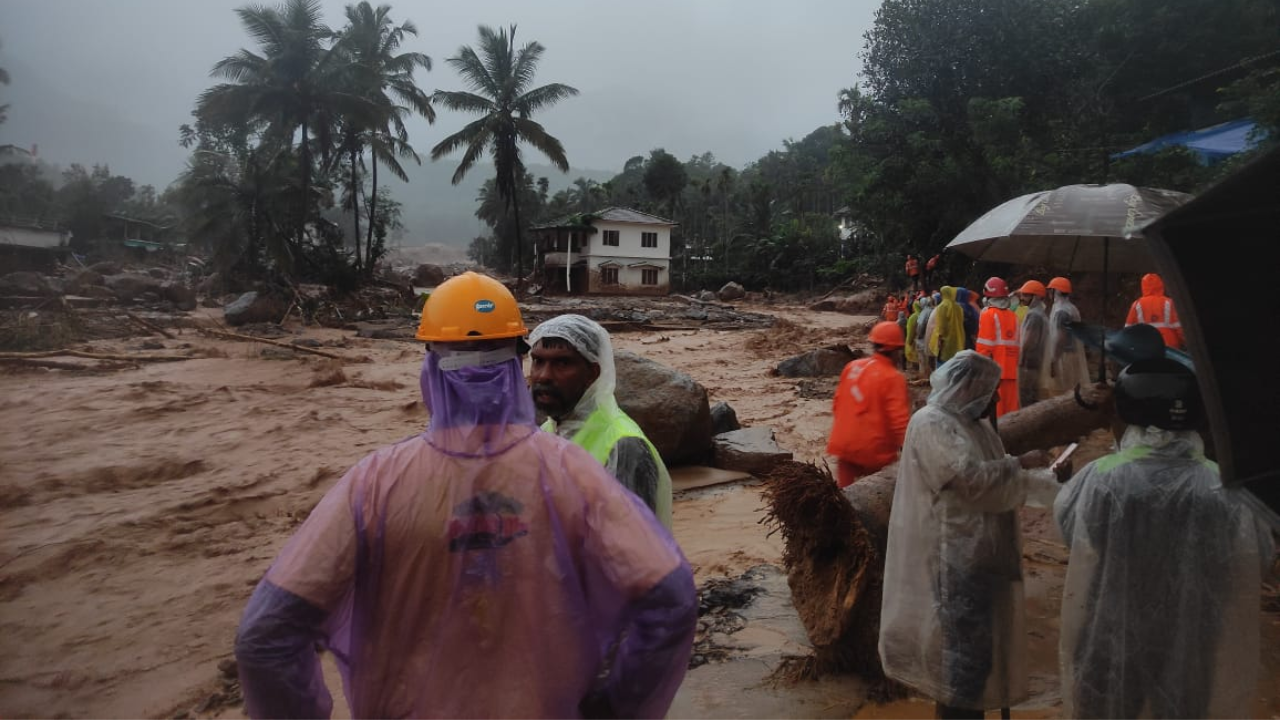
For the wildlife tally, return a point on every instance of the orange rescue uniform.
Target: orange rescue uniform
(869, 417)
(913, 267)
(998, 339)
(1156, 310)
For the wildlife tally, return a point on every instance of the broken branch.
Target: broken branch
(150, 325)
(277, 343)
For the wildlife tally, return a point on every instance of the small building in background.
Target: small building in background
(615, 251)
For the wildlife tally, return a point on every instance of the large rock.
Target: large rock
(95, 291)
(706, 296)
(723, 418)
(867, 302)
(823, 362)
(182, 296)
(254, 307)
(428, 275)
(731, 291)
(669, 406)
(211, 284)
(106, 268)
(752, 450)
(24, 283)
(85, 278)
(128, 286)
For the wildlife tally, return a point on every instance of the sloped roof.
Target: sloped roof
(609, 214)
(627, 215)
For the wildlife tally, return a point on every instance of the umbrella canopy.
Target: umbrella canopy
(1074, 228)
(1211, 252)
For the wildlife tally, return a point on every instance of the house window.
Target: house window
(649, 240)
(649, 276)
(609, 275)
(611, 238)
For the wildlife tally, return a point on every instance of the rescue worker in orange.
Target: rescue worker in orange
(1156, 309)
(998, 339)
(871, 408)
(913, 271)
(929, 269)
(889, 313)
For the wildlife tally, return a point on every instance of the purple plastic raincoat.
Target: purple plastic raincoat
(481, 569)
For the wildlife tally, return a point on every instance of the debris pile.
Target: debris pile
(719, 599)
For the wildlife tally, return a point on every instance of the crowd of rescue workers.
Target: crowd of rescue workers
(494, 567)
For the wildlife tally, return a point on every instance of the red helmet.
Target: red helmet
(995, 288)
(887, 334)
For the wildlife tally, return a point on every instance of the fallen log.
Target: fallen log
(834, 540)
(150, 326)
(94, 356)
(102, 366)
(277, 343)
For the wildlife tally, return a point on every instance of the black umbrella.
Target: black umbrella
(1214, 252)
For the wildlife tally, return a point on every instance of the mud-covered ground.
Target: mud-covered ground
(142, 504)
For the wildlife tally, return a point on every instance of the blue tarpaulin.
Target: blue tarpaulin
(1209, 144)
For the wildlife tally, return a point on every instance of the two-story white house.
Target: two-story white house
(616, 251)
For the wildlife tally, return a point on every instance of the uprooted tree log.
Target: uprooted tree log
(277, 343)
(834, 540)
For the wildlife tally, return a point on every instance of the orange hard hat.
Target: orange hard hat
(887, 334)
(995, 288)
(470, 306)
(1033, 287)
(1061, 284)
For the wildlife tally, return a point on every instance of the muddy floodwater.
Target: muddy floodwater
(141, 506)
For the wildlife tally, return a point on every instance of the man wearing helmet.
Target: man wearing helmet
(1065, 365)
(951, 618)
(573, 380)
(1156, 309)
(1161, 604)
(871, 408)
(479, 569)
(998, 340)
(1034, 331)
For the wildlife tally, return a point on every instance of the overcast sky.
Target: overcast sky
(111, 80)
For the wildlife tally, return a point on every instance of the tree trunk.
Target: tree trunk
(515, 209)
(373, 209)
(306, 188)
(355, 202)
(834, 540)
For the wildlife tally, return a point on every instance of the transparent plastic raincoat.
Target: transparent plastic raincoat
(922, 337)
(951, 622)
(1161, 605)
(1065, 364)
(480, 569)
(599, 425)
(1031, 352)
(947, 336)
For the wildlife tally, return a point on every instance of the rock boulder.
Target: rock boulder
(731, 291)
(823, 362)
(428, 275)
(254, 307)
(24, 283)
(723, 418)
(752, 450)
(182, 296)
(669, 406)
(129, 286)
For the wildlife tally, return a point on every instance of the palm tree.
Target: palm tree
(384, 78)
(500, 93)
(281, 91)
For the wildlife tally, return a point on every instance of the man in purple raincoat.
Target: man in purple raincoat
(481, 569)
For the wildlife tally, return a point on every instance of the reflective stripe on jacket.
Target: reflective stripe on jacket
(998, 339)
(870, 412)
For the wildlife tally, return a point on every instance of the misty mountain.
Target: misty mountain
(436, 211)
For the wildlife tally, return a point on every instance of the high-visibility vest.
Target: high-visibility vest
(602, 429)
(998, 339)
(1157, 311)
(913, 267)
